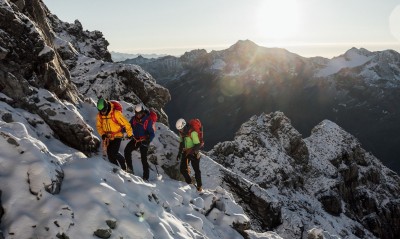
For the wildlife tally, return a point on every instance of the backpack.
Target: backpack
(152, 116)
(117, 106)
(195, 125)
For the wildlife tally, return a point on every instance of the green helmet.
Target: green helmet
(101, 104)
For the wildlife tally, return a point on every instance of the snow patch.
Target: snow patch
(352, 58)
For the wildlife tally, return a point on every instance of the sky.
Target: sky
(306, 27)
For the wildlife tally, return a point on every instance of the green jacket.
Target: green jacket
(190, 142)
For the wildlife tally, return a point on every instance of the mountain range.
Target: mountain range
(267, 182)
(359, 90)
(119, 56)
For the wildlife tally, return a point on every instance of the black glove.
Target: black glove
(104, 136)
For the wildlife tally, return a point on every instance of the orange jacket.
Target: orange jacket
(105, 124)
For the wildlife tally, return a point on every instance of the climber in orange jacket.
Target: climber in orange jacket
(110, 123)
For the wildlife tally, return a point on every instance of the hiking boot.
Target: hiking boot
(199, 189)
(128, 170)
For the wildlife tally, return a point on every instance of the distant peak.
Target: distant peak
(194, 54)
(359, 51)
(244, 44)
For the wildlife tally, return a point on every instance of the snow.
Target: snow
(46, 49)
(98, 78)
(352, 58)
(326, 137)
(265, 235)
(93, 192)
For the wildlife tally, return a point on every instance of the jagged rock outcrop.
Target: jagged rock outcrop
(38, 53)
(31, 64)
(119, 81)
(362, 188)
(327, 174)
(28, 55)
(266, 210)
(91, 44)
(276, 141)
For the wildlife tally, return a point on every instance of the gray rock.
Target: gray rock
(112, 224)
(103, 233)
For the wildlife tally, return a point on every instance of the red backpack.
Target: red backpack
(195, 125)
(152, 116)
(117, 106)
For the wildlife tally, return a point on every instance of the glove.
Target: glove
(188, 152)
(104, 136)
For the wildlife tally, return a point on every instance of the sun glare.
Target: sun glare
(278, 19)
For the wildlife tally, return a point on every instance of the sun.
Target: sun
(278, 19)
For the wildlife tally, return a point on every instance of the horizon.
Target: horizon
(340, 50)
(309, 29)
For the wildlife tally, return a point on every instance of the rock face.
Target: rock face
(284, 181)
(118, 81)
(43, 60)
(361, 187)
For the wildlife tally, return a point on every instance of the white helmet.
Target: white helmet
(180, 123)
(138, 108)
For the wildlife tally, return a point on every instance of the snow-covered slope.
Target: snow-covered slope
(372, 67)
(352, 58)
(50, 190)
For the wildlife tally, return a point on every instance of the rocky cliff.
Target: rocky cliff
(44, 61)
(290, 185)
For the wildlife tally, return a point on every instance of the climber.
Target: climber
(143, 125)
(189, 146)
(110, 125)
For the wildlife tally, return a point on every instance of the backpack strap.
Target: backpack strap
(114, 119)
(146, 123)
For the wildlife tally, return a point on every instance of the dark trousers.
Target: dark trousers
(185, 170)
(113, 155)
(134, 145)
